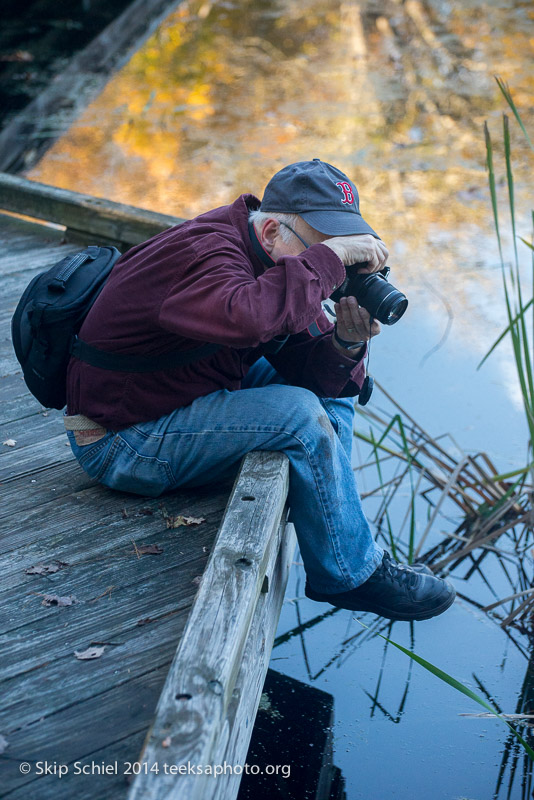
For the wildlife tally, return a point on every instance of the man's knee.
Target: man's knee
(306, 409)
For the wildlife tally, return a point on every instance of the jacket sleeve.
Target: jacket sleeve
(314, 363)
(216, 297)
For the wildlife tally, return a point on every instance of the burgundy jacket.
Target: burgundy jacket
(198, 282)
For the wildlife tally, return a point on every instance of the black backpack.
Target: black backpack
(50, 314)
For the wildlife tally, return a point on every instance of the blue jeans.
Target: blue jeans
(205, 441)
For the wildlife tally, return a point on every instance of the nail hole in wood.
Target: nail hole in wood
(243, 562)
(248, 497)
(183, 696)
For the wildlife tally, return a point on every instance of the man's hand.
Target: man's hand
(353, 321)
(360, 248)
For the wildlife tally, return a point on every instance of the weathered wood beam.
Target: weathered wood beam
(253, 669)
(28, 135)
(82, 214)
(202, 706)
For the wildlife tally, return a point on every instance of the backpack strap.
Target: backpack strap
(132, 363)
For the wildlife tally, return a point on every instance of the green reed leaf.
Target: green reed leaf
(446, 678)
(493, 191)
(508, 97)
(506, 330)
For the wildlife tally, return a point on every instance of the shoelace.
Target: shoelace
(399, 572)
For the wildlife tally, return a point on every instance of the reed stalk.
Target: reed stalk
(521, 334)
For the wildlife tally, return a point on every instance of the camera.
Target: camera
(374, 292)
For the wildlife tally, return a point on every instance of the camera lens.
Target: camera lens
(374, 293)
(391, 308)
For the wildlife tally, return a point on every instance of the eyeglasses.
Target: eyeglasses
(296, 234)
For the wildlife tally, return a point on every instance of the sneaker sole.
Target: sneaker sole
(389, 614)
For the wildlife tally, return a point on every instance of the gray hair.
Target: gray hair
(259, 217)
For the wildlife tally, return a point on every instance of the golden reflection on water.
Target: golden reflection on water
(394, 93)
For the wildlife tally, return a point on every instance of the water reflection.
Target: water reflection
(394, 93)
(225, 93)
(397, 694)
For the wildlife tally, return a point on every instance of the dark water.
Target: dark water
(37, 40)
(395, 94)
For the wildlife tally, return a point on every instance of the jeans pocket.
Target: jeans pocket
(129, 471)
(92, 458)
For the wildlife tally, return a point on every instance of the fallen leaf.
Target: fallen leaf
(145, 512)
(150, 549)
(45, 569)
(124, 513)
(166, 742)
(3, 743)
(10, 442)
(176, 522)
(91, 652)
(56, 600)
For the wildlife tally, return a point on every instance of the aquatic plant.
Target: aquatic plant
(459, 686)
(455, 505)
(522, 337)
(491, 504)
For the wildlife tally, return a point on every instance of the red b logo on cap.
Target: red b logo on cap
(348, 195)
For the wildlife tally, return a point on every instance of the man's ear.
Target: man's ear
(269, 234)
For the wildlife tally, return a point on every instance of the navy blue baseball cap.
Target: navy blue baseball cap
(321, 194)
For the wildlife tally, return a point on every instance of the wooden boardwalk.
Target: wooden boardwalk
(185, 615)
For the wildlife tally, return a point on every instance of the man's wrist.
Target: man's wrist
(347, 348)
(347, 343)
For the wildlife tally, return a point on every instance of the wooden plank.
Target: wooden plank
(22, 704)
(27, 245)
(29, 460)
(52, 484)
(114, 612)
(24, 244)
(25, 139)
(141, 647)
(63, 733)
(81, 213)
(12, 386)
(26, 432)
(87, 786)
(86, 525)
(83, 577)
(83, 728)
(253, 669)
(17, 403)
(192, 712)
(19, 407)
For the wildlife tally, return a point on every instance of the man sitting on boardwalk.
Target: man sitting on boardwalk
(249, 277)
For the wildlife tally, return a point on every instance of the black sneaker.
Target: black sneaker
(417, 567)
(394, 591)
